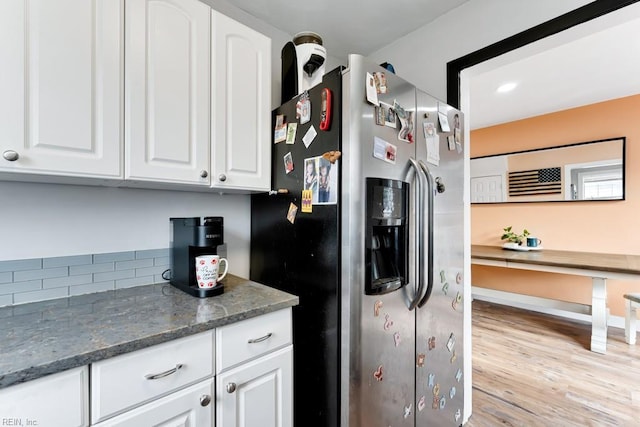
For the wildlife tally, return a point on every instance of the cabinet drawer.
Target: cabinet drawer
(252, 338)
(128, 380)
(186, 407)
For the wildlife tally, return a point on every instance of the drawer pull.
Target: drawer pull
(264, 338)
(165, 373)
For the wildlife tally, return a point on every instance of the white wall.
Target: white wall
(49, 220)
(422, 56)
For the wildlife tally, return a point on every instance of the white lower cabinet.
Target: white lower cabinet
(257, 393)
(172, 384)
(191, 407)
(60, 399)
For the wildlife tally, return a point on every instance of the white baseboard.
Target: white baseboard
(569, 310)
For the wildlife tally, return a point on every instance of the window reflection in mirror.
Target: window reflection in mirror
(576, 172)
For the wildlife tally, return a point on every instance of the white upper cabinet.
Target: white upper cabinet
(61, 87)
(167, 92)
(241, 106)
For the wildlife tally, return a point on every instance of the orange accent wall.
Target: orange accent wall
(611, 227)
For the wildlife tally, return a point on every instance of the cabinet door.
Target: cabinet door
(61, 87)
(56, 400)
(241, 106)
(191, 407)
(258, 393)
(167, 91)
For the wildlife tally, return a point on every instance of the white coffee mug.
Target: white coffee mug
(207, 270)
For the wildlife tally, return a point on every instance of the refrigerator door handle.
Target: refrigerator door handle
(429, 232)
(419, 221)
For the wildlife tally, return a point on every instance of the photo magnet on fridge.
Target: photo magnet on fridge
(372, 94)
(444, 122)
(288, 163)
(280, 131)
(291, 133)
(291, 214)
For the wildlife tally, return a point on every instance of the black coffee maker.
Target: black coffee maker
(191, 238)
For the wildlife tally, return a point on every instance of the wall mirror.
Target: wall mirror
(585, 171)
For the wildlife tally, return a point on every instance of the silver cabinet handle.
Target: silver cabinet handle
(257, 340)
(10, 155)
(165, 373)
(204, 174)
(222, 177)
(205, 399)
(231, 387)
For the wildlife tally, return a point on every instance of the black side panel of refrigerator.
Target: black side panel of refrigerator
(303, 258)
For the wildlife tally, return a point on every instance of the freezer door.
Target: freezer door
(439, 340)
(378, 331)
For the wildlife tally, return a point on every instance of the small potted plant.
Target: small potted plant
(512, 238)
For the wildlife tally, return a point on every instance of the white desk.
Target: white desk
(598, 266)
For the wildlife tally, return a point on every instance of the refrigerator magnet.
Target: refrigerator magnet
(303, 108)
(458, 374)
(459, 278)
(384, 151)
(407, 410)
(388, 115)
(436, 402)
(288, 163)
(280, 131)
(451, 142)
(443, 276)
(422, 403)
(432, 343)
(453, 357)
(432, 378)
(380, 79)
(308, 137)
(457, 415)
(378, 373)
(444, 122)
(445, 288)
(452, 392)
(396, 339)
(420, 360)
(388, 323)
(291, 133)
(376, 308)
(436, 389)
(291, 214)
(372, 93)
(307, 205)
(451, 342)
(379, 115)
(443, 402)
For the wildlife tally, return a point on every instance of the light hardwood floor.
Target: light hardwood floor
(531, 369)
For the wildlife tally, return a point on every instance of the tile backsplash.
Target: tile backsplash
(38, 279)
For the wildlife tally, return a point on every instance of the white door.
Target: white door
(167, 91)
(487, 189)
(241, 106)
(191, 407)
(61, 87)
(258, 393)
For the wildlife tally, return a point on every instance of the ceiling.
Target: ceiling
(349, 26)
(595, 67)
(602, 63)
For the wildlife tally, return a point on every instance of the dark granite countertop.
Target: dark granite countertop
(46, 337)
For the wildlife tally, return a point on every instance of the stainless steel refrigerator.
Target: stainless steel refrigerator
(378, 260)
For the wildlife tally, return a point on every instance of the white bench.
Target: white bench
(633, 301)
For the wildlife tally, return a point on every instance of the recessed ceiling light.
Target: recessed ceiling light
(507, 87)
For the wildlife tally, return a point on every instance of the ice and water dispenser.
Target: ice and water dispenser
(387, 235)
